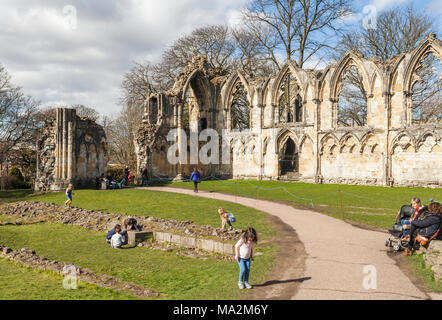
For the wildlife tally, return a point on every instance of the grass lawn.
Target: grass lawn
(10, 195)
(21, 283)
(162, 205)
(173, 276)
(370, 205)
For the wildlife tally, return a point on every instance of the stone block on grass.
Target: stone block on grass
(138, 236)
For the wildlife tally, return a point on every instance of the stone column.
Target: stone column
(58, 146)
(64, 145)
(71, 123)
(180, 170)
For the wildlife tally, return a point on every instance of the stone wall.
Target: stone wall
(433, 258)
(389, 149)
(70, 150)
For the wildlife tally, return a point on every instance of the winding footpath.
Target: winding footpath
(337, 253)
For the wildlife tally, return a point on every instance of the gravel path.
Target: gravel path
(337, 253)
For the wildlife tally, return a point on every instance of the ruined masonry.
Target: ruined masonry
(70, 150)
(300, 140)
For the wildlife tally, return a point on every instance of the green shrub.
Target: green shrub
(116, 173)
(15, 172)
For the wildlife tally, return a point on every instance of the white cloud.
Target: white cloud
(60, 66)
(385, 4)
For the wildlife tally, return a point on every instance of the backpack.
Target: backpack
(407, 212)
(231, 217)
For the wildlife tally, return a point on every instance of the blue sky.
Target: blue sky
(61, 63)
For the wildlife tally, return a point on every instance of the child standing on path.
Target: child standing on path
(243, 255)
(69, 195)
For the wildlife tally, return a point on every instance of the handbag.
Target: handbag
(423, 241)
(231, 217)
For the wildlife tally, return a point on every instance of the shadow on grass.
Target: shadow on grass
(273, 282)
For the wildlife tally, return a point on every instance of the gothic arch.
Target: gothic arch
(289, 67)
(230, 85)
(303, 140)
(430, 45)
(352, 58)
(283, 136)
(235, 80)
(404, 144)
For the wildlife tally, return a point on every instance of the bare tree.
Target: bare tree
(251, 56)
(215, 42)
(352, 108)
(120, 133)
(293, 24)
(398, 30)
(18, 119)
(427, 92)
(137, 85)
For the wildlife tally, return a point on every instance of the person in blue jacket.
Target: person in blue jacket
(196, 178)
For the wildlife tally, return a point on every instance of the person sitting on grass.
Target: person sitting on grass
(69, 195)
(429, 227)
(243, 255)
(117, 239)
(131, 224)
(113, 231)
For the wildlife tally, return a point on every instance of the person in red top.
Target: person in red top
(406, 223)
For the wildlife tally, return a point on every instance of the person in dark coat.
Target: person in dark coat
(196, 178)
(145, 177)
(126, 175)
(426, 227)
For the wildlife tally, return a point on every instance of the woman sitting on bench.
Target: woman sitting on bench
(427, 228)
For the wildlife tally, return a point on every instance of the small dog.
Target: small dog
(224, 218)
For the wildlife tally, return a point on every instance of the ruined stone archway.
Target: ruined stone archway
(289, 158)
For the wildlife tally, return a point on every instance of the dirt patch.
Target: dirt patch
(284, 279)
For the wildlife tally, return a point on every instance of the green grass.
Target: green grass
(14, 194)
(173, 276)
(370, 205)
(21, 283)
(162, 205)
(417, 264)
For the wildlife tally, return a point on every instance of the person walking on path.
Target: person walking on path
(243, 255)
(145, 177)
(69, 195)
(196, 178)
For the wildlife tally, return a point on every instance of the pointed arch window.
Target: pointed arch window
(352, 99)
(290, 101)
(426, 93)
(240, 107)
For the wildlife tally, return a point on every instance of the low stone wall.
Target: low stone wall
(433, 257)
(195, 243)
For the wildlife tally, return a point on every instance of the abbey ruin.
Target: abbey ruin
(70, 150)
(292, 128)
